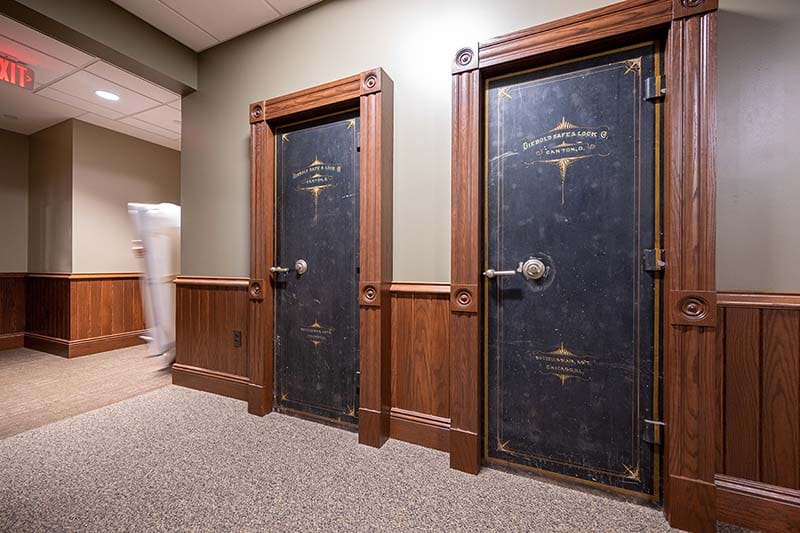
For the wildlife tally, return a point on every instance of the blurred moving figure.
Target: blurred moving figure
(158, 228)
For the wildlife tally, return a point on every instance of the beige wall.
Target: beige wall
(757, 167)
(414, 41)
(50, 200)
(109, 170)
(13, 202)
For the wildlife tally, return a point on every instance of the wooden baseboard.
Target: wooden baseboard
(465, 451)
(105, 343)
(757, 505)
(81, 347)
(51, 345)
(373, 427)
(11, 341)
(229, 385)
(420, 428)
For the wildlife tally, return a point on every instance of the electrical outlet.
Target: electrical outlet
(237, 339)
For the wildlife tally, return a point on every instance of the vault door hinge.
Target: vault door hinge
(653, 260)
(652, 431)
(654, 87)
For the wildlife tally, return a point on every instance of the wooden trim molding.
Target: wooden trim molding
(81, 347)
(690, 121)
(420, 428)
(208, 281)
(770, 300)
(420, 287)
(216, 382)
(757, 505)
(11, 341)
(373, 92)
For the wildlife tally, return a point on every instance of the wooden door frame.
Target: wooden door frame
(372, 92)
(689, 27)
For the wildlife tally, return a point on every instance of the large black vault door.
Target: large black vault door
(317, 225)
(572, 209)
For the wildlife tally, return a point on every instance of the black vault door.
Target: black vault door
(572, 202)
(317, 327)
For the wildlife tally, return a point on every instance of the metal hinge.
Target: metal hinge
(651, 431)
(655, 87)
(653, 260)
(358, 140)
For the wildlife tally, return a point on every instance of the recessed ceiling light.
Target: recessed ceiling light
(107, 95)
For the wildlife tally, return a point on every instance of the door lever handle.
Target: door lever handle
(492, 273)
(278, 270)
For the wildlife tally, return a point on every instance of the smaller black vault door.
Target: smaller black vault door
(317, 225)
(572, 207)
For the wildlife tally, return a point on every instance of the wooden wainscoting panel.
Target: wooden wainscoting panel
(12, 310)
(758, 367)
(105, 306)
(420, 364)
(47, 305)
(742, 393)
(81, 314)
(207, 316)
(780, 405)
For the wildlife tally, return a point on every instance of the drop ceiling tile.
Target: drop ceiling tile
(285, 7)
(225, 20)
(53, 94)
(152, 128)
(135, 83)
(165, 116)
(45, 68)
(38, 41)
(33, 112)
(133, 131)
(84, 84)
(170, 22)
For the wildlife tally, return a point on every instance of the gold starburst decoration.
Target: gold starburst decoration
(350, 411)
(504, 93)
(633, 65)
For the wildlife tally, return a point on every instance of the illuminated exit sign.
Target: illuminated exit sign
(16, 73)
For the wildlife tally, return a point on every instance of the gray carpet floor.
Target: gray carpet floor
(177, 459)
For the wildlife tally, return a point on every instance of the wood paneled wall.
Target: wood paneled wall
(81, 314)
(12, 310)
(208, 312)
(420, 366)
(118, 301)
(47, 305)
(758, 426)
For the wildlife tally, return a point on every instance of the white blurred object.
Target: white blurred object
(158, 228)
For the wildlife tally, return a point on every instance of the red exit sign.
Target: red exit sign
(15, 73)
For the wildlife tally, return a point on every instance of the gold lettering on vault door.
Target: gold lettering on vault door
(316, 178)
(563, 145)
(564, 364)
(316, 333)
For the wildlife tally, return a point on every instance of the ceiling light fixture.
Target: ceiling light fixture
(107, 95)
